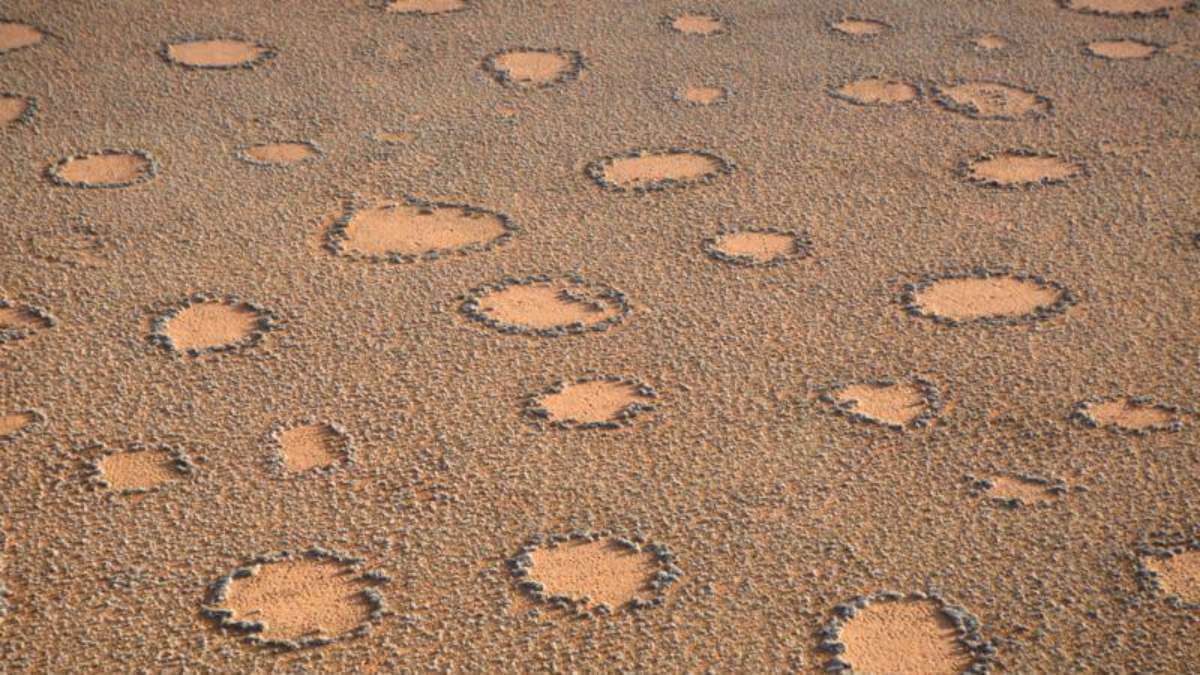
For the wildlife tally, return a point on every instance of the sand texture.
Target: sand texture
(487, 336)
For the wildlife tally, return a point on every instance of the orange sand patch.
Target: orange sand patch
(1119, 50)
(1126, 6)
(1024, 491)
(895, 404)
(19, 318)
(1014, 169)
(299, 598)
(12, 423)
(994, 100)
(281, 153)
(138, 469)
(210, 324)
(543, 305)
(104, 169)
(14, 35)
(860, 27)
(598, 570)
(216, 53)
(393, 136)
(12, 107)
(628, 172)
(903, 637)
(311, 446)
(991, 41)
(974, 298)
(1125, 414)
(414, 230)
(703, 95)
(1178, 575)
(879, 91)
(425, 6)
(760, 247)
(591, 402)
(697, 24)
(532, 67)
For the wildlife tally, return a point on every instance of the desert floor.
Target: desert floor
(641, 335)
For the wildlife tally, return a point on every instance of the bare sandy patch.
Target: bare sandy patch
(986, 297)
(291, 601)
(1019, 490)
(1021, 169)
(392, 137)
(1177, 575)
(1129, 414)
(893, 404)
(533, 68)
(205, 324)
(104, 169)
(219, 54)
(757, 247)
(592, 403)
(698, 24)
(1121, 50)
(700, 95)
(903, 637)
(647, 170)
(16, 35)
(993, 101)
(878, 91)
(18, 321)
(544, 306)
(860, 27)
(280, 154)
(425, 7)
(18, 422)
(1125, 7)
(312, 446)
(15, 109)
(139, 470)
(990, 41)
(417, 230)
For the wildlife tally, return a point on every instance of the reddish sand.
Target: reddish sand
(994, 100)
(991, 41)
(591, 402)
(138, 469)
(903, 637)
(532, 67)
(697, 24)
(974, 298)
(860, 27)
(703, 95)
(758, 247)
(1024, 491)
(15, 35)
(879, 91)
(281, 153)
(216, 53)
(600, 571)
(11, 423)
(425, 6)
(1120, 50)
(1126, 7)
(1125, 414)
(104, 169)
(546, 305)
(12, 108)
(897, 404)
(311, 446)
(210, 324)
(631, 172)
(415, 230)
(1178, 575)
(1009, 169)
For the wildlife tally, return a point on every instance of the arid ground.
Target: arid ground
(623, 335)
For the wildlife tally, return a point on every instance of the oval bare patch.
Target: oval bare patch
(288, 601)
(985, 297)
(18, 321)
(1125, 7)
(648, 170)
(993, 101)
(877, 91)
(896, 405)
(545, 306)
(698, 24)
(756, 247)
(703, 95)
(903, 636)
(280, 154)
(425, 7)
(860, 28)
(533, 68)
(417, 230)
(1021, 169)
(990, 41)
(312, 446)
(204, 324)
(592, 403)
(17, 35)
(139, 470)
(218, 54)
(1128, 414)
(15, 109)
(17, 423)
(1020, 490)
(1121, 50)
(1176, 574)
(104, 169)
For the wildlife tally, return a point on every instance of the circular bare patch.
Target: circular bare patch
(1021, 169)
(877, 91)
(1123, 49)
(205, 324)
(648, 170)
(1127, 8)
(757, 246)
(392, 137)
(605, 402)
(1128, 414)
(915, 634)
(702, 95)
(217, 54)
(16, 109)
(416, 230)
(860, 28)
(107, 168)
(985, 296)
(425, 7)
(282, 153)
(899, 405)
(17, 423)
(292, 601)
(16, 35)
(311, 445)
(18, 321)
(698, 24)
(594, 573)
(531, 68)
(993, 101)
(1171, 568)
(1013, 491)
(139, 469)
(990, 42)
(545, 306)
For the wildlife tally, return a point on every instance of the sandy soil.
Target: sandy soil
(215, 233)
